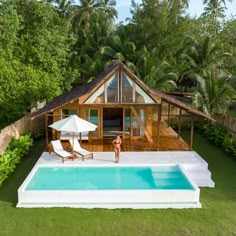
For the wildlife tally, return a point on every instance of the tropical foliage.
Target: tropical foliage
(49, 46)
(16, 149)
(214, 95)
(219, 135)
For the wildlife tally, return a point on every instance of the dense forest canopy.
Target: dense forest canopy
(49, 46)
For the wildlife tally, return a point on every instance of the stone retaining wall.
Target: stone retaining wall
(23, 126)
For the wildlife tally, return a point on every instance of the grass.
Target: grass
(216, 217)
(232, 113)
(232, 110)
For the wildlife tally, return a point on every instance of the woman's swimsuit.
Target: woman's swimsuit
(117, 142)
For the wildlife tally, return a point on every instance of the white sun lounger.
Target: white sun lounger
(79, 150)
(58, 150)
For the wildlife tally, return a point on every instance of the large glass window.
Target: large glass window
(113, 89)
(141, 96)
(97, 97)
(127, 122)
(137, 130)
(127, 89)
(92, 116)
(120, 91)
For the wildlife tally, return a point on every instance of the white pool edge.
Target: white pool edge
(113, 205)
(111, 199)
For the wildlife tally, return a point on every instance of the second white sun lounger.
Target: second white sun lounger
(79, 150)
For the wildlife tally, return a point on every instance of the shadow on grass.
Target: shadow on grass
(8, 191)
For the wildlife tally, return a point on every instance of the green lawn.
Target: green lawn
(232, 111)
(216, 217)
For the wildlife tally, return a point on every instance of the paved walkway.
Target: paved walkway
(130, 158)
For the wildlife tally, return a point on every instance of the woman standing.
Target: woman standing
(116, 143)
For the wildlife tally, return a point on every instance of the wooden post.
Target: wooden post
(131, 125)
(119, 88)
(191, 133)
(179, 128)
(160, 112)
(168, 121)
(123, 122)
(46, 128)
(158, 126)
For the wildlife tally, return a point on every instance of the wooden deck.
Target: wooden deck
(169, 141)
(166, 144)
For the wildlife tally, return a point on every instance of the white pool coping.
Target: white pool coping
(122, 198)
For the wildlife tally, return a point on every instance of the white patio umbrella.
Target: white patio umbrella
(73, 124)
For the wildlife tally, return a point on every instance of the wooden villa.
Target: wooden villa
(118, 102)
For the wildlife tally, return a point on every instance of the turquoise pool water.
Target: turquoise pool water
(109, 178)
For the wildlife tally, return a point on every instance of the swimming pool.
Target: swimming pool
(163, 186)
(109, 178)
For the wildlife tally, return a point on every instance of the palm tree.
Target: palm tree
(118, 46)
(215, 10)
(89, 51)
(88, 11)
(214, 95)
(158, 75)
(63, 7)
(222, 1)
(177, 8)
(202, 55)
(108, 8)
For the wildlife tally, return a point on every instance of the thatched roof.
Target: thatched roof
(79, 91)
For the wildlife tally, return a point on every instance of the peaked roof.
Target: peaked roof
(79, 91)
(76, 92)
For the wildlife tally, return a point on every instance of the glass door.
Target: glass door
(136, 129)
(127, 123)
(92, 115)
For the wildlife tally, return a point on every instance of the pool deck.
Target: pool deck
(126, 158)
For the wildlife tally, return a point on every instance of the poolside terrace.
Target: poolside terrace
(194, 167)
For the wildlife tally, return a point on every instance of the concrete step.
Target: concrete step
(193, 167)
(201, 177)
(197, 173)
(204, 182)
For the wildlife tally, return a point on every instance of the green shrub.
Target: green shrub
(21, 145)
(16, 149)
(219, 135)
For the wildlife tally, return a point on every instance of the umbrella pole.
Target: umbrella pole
(73, 142)
(73, 153)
